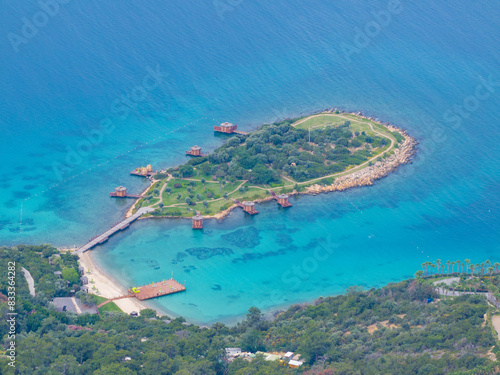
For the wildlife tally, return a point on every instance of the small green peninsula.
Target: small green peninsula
(323, 152)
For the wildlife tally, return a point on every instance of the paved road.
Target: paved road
(449, 293)
(116, 228)
(29, 279)
(448, 282)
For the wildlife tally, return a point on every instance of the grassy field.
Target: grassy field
(319, 121)
(333, 119)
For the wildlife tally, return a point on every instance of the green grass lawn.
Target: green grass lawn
(199, 192)
(109, 307)
(319, 121)
(333, 119)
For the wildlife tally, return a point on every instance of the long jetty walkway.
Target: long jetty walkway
(116, 228)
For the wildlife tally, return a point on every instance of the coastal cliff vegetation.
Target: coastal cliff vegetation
(392, 330)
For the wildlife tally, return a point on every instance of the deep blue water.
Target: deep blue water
(424, 70)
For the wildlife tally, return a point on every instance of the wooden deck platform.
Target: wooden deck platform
(189, 153)
(158, 289)
(114, 195)
(149, 174)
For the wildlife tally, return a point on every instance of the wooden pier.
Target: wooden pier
(282, 199)
(248, 207)
(114, 195)
(158, 289)
(116, 228)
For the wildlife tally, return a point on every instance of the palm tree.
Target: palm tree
(438, 263)
(423, 267)
(490, 270)
(496, 264)
(467, 262)
(472, 275)
(452, 266)
(448, 266)
(428, 266)
(458, 265)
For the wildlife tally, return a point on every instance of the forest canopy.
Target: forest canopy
(392, 330)
(280, 149)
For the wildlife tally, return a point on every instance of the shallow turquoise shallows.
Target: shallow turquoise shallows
(101, 88)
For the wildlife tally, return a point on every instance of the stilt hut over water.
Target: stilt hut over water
(198, 221)
(283, 200)
(195, 151)
(120, 191)
(249, 207)
(226, 127)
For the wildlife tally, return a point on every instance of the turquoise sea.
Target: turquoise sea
(92, 89)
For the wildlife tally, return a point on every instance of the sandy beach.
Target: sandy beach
(108, 288)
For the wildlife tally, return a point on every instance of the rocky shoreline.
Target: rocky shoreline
(365, 177)
(380, 169)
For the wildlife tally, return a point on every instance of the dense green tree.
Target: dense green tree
(71, 275)
(332, 334)
(148, 313)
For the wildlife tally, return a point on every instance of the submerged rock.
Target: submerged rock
(244, 237)
(208, 252)
(148, 261)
